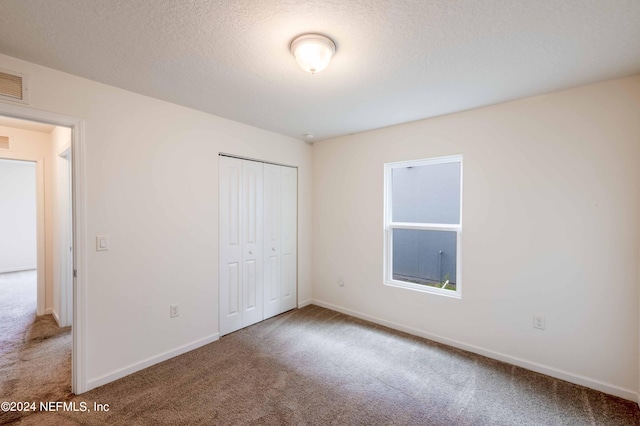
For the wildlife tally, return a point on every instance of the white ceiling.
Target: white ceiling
(396, 61)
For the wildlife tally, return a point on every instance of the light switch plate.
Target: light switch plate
(102, 242)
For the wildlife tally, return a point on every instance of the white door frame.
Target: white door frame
(78, 364)
(40, 225)
(65, 262)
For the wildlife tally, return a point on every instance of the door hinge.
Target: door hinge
(75, 273)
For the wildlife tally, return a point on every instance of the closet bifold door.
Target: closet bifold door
(240, 243)
(289, 240)
(252, 220)
(272, 224)
(280, 246)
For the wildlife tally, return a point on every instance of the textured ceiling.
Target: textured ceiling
(396, 61)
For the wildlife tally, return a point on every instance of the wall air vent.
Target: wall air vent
(4, 142)
(13, 86)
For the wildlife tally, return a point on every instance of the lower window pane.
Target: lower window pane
(425, 257)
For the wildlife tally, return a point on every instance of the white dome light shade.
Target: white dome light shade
(313, 51)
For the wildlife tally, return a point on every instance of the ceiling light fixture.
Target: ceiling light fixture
(313, 51)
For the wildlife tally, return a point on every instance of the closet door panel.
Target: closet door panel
(272, 224)
(230, 246)
(289, 226)
(252, 233)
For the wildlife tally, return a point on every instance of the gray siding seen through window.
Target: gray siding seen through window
(425, 194)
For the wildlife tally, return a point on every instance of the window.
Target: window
(422, 224)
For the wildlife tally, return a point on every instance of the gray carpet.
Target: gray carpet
(35, 354)
(316, 366)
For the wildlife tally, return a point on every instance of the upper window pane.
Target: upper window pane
(426, 194)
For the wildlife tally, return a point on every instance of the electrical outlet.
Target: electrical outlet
(173, 311)
(538, 322)
(340, 282)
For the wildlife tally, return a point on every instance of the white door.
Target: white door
(272, 224)
(66, 238)
(289, 238)
(280, 249)
(229, 234)
(252, 287)
(69, 260)
(257, 234)
(240, 233)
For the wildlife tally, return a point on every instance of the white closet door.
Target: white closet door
(252, 234)
(258, 242)
(272, 223)
(240, 234)
(230, 245)
(280, 249)
(289, 238)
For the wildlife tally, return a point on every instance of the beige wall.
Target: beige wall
(560, 168)
(152, 186)
(28, 144)
(550, 226)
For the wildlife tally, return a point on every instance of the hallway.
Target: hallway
(35, 354)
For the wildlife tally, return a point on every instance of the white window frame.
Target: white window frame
(389, 226)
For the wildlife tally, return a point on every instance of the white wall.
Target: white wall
(18, 247)
(152, 186)
(551, 210)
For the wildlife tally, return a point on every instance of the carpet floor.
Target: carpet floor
(35, 354)
(319, 367)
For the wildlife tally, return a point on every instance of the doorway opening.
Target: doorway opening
(36, 262)
(79, 383)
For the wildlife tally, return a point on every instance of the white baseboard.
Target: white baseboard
(130, 369)
(49, 311)
(18, 269)
(529, 365)
(305, 303)
(55, 316)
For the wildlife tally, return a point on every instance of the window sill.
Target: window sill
(424, 289)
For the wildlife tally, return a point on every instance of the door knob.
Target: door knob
(250, 252)
(273, 249)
